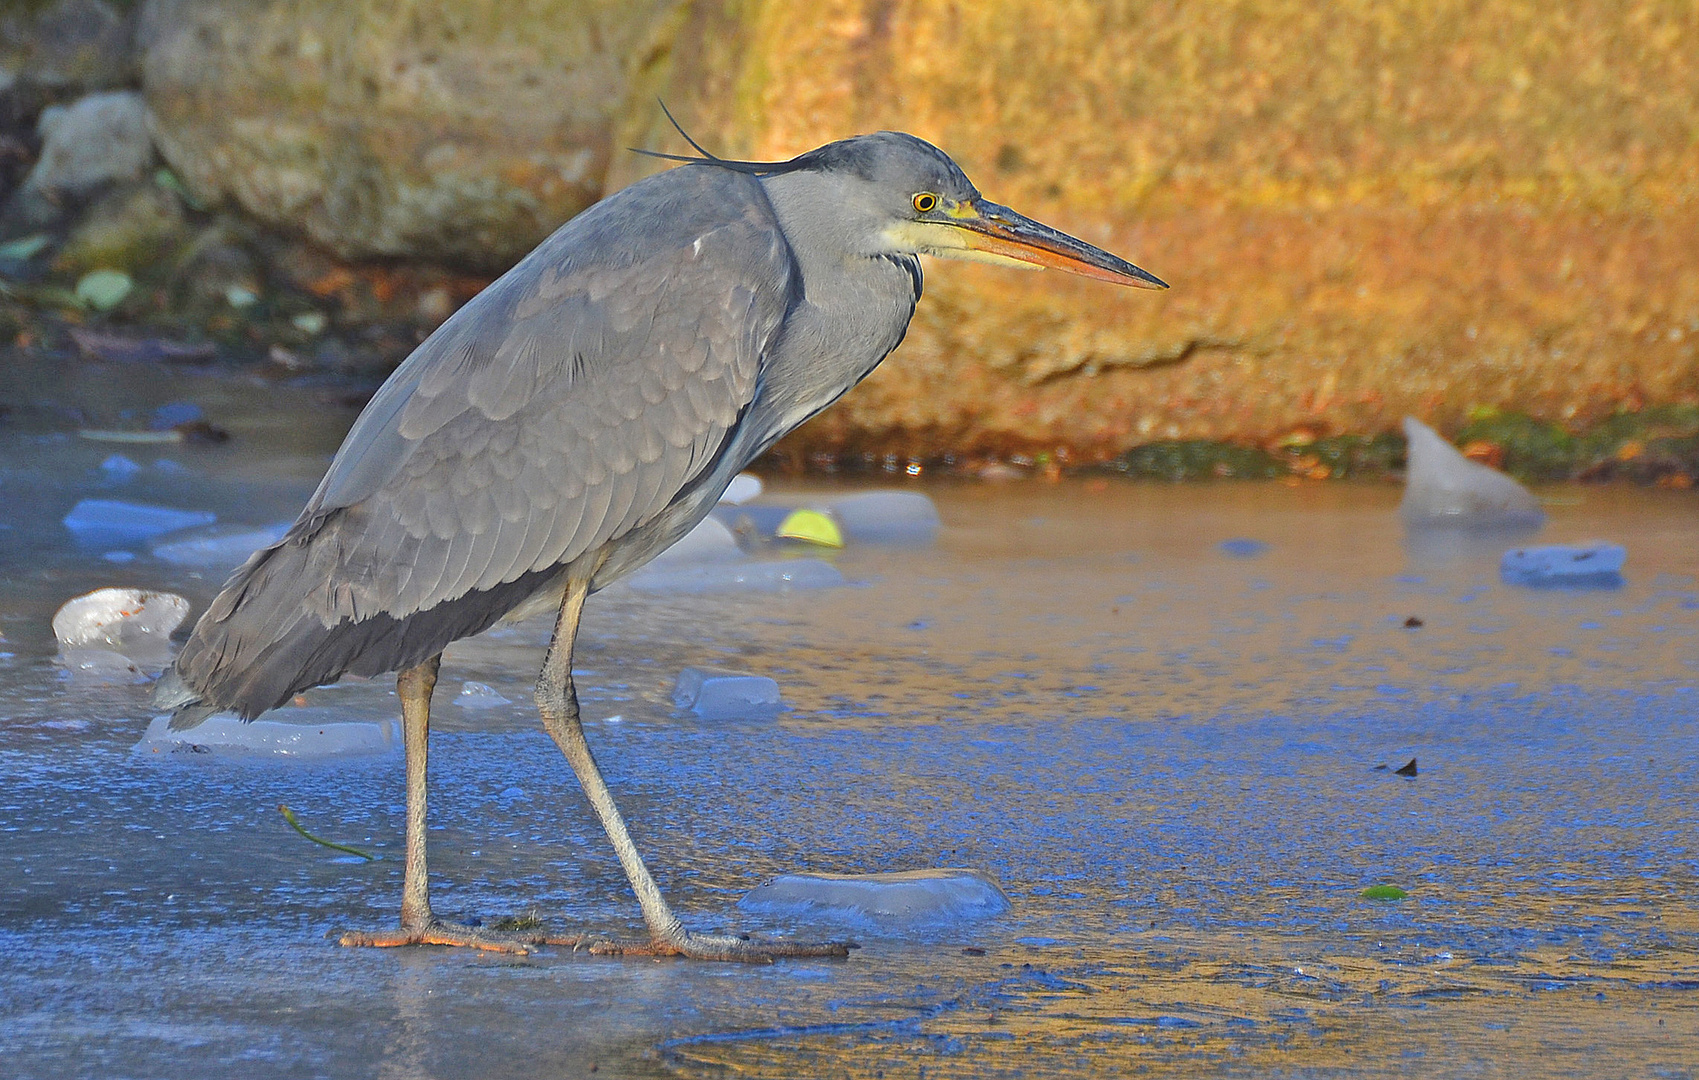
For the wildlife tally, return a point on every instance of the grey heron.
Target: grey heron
(570, 422)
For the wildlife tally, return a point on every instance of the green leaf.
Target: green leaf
(104, 290)
(1383, 892)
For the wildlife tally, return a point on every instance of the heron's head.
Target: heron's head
(890, 193)
(914, 199)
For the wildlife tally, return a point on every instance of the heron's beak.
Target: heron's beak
(997, 231)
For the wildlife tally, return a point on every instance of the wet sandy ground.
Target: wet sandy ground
(1163, 751)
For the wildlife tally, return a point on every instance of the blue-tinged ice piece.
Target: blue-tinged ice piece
(305, 732)
(725, 695)
(117, 467)
(169, 416)
(219, 547)
(1565, 566)
(909, 899)
(108, 522)
(887, 517)
(1442, 487)
(1241, 548)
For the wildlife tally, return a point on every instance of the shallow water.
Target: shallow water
(1163, 750)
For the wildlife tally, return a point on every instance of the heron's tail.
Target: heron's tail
(231, 660)
(262, 640)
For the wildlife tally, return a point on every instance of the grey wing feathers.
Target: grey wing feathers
(563, 407)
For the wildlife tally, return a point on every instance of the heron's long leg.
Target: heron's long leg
(557, 701)
(414, 686)
(419, 926)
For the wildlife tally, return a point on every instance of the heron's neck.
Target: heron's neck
(857, 301)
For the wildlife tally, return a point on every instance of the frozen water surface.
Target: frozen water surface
(1164, 755)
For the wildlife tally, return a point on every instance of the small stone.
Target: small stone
(133, 228)
(79, 43)
(104, 290)
(95, 140)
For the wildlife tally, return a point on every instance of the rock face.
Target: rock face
(83, 44)
(1367, 209)
(463, 130)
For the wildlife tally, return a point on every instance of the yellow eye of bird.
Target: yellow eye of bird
(925, 202)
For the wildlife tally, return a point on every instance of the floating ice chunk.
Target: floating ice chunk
(133, 622)
(1242, 548)
(118, 467)
(177, 412)
(99, 522)
(218, 546)
(744, 486)
(887, 517)
(907, 899)
(709, 542)
(1563, 566)
(1442, 486)
(305, 732)
(477, 695)
(100, 667)
(725, 695)
(782, 575)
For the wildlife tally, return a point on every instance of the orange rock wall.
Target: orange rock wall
(1366, 208)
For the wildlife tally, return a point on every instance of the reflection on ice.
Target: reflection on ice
(725, 695)
(1564, 566)
(101, 667)
(779, 576)
(305, 732)
(898, 901)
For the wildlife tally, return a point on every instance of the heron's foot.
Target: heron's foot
(718, 947)
(437, 932)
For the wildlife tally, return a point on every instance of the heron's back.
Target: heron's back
(584, 403)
